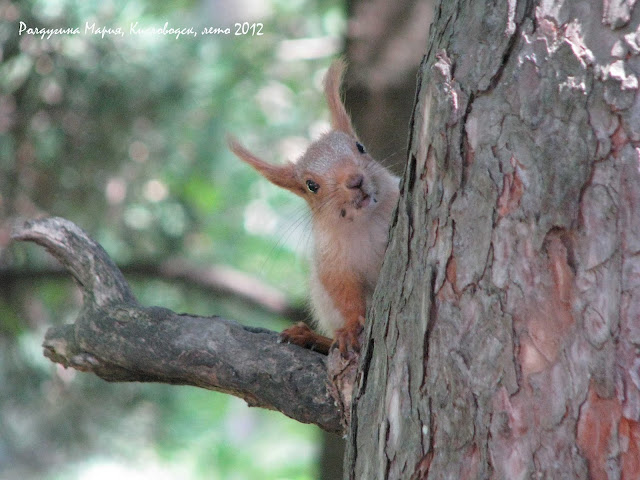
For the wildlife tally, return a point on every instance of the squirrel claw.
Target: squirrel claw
(347, 338)
(297, 334)
(300, 334)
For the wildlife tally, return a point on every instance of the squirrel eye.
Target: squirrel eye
(312, 186)
(360, 147)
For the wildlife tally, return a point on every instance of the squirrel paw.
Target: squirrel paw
(301, 335)
(347, 337)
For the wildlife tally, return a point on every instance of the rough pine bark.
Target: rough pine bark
(503, 341)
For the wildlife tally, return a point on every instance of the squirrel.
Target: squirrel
(351, 198)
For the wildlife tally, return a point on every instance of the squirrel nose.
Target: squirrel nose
(355, 181)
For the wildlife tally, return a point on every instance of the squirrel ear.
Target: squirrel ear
(332, 81)
(280, 175)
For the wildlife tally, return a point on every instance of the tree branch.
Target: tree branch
(219, 280)
(119, 340)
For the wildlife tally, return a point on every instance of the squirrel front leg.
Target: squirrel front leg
(300, 334)
(348, 295)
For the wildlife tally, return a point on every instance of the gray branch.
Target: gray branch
(119, 340)
(215, 280)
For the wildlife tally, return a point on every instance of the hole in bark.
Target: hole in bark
(412, 172)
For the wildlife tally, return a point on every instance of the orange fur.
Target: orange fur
(351, 198)
(349, 298)
(339, 118)
(300, 334)
(283, 176)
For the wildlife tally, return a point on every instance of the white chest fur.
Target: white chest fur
(355, 249)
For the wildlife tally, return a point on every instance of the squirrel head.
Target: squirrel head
(336, 176)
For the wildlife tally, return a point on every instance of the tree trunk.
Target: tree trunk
(504, 337)
(503, 340)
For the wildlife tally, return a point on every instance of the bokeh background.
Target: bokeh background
(124, 135)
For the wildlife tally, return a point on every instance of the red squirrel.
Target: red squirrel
(351, 198)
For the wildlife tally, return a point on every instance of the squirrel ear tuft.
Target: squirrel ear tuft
(280, 175)
(339, 118)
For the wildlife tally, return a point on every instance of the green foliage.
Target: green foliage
(124, 135)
